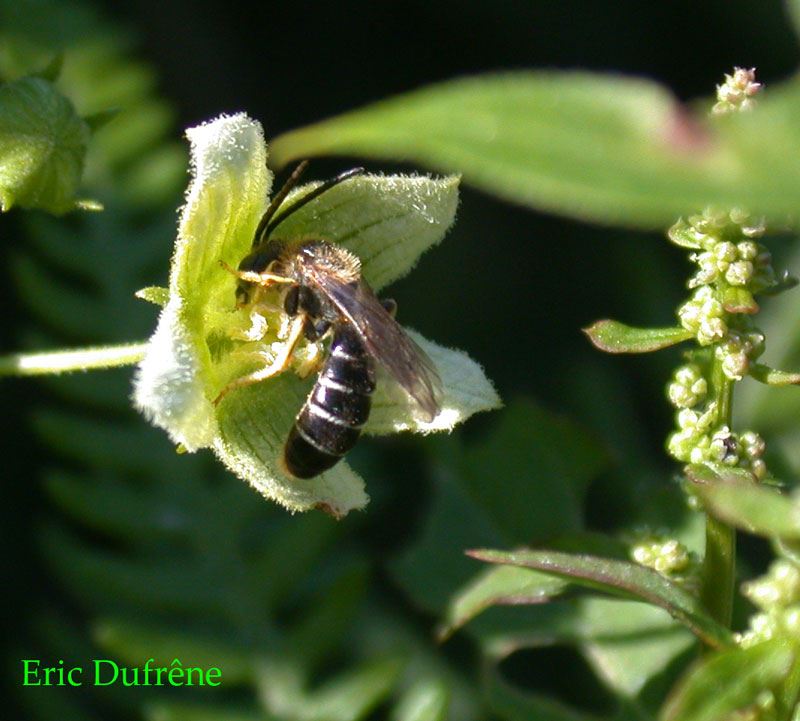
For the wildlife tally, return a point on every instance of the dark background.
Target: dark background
(509, 285)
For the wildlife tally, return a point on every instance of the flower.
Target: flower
(197, 348)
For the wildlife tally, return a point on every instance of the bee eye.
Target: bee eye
(242, 295)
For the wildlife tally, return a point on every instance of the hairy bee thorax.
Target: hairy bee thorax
(293, 259)
(326, 258)
(315, 288)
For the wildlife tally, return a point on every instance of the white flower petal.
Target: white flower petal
(224, 203)
(168, 387)
(254, 424)
(466, 388)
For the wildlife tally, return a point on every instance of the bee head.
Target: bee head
(243, 293)
(258, 261)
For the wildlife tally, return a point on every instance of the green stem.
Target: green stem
(66, 361)
(719, 564)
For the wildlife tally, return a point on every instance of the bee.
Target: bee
(326, 299)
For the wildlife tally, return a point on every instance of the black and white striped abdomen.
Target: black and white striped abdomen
(330, 422)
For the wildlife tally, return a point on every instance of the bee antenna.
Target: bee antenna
(268, 224)
(291, 181)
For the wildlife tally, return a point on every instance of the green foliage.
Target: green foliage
(43, 143)
(612, 336)
(753, 508)
(163, 555)
(730, 681)
(629, 580)
(609, 149)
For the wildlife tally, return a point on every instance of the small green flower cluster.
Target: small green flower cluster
(737, 351)
(667, 556)
(777, 594)
(695, 441)
(737, 92)
(732, 268)
(688, 387)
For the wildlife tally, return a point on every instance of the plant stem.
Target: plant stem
(719, 564)
(66, 361)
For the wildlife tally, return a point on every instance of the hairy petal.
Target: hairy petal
(466, 391)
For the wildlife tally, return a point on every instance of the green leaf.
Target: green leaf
(133, 642)
(619, 578)
(348, 697)
(772, 377)
(728, 681)
(52, 70)
(504, 585)
(614, 337)
(628, 644)
(154, 294)
(753, 508)
(98, 120)
(710, 473)
(596, 147)
(434, 564)
(511, 704)
(793, 9)
(42, 147)
(546, 463)
(424, 701)
(162, 711)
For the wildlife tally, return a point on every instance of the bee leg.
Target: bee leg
(314, 332)
(313, 363)
(264, 279)
(390, 306)
(280, 364)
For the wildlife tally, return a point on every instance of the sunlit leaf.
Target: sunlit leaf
(614, 337)
(154, 294)
(424, 701)
(773, 377)
(754, 508)
(42, 147)
(619, 578)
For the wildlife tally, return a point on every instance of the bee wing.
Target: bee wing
(385, 339)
